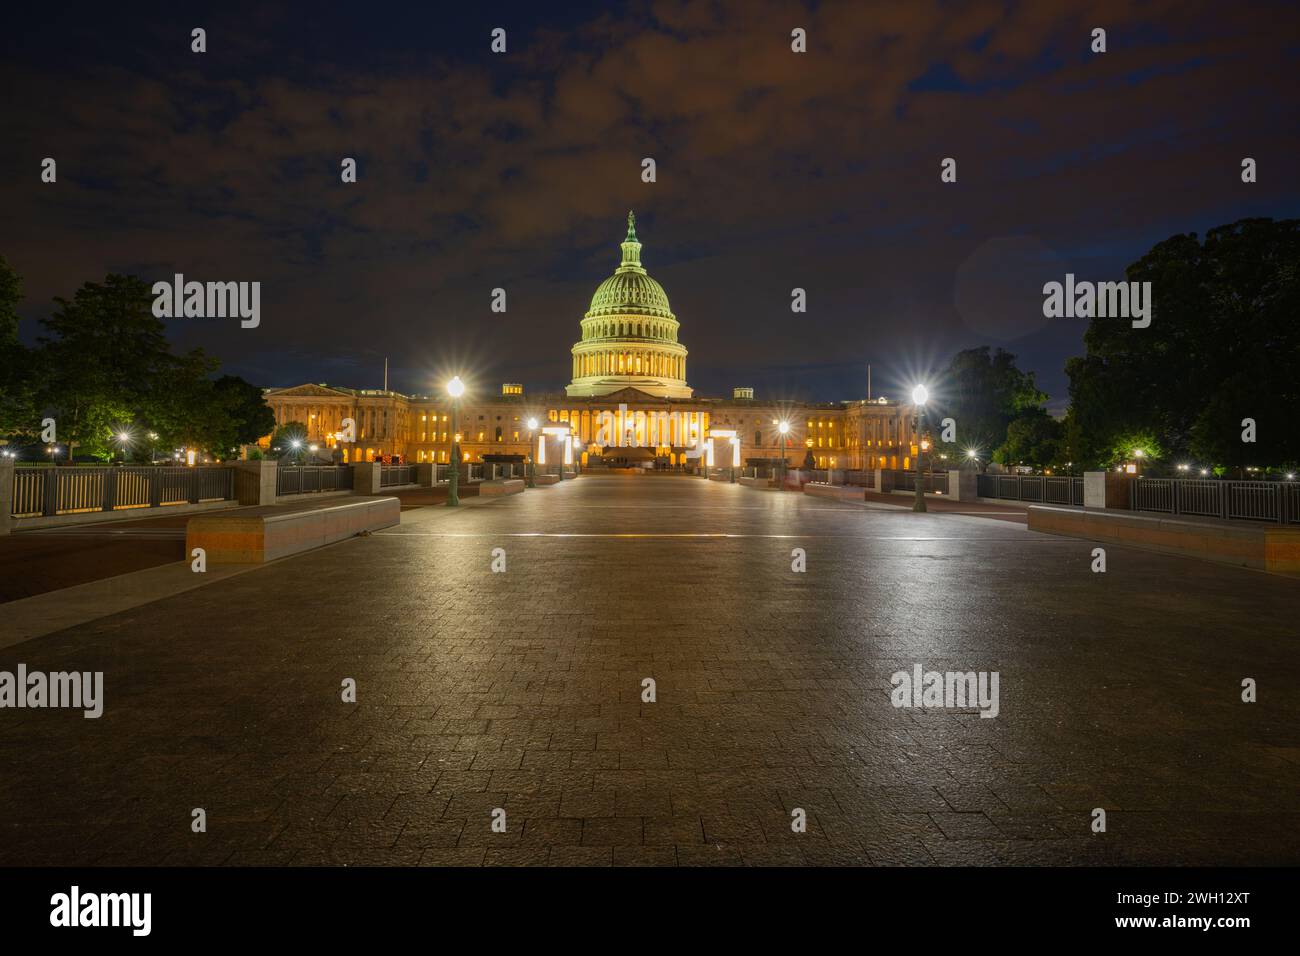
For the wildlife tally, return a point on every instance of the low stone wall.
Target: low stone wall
(503, 486)
(1268, 547)
(121, 514)
(755, 482)
(543, 480)
(254, 539)
(843, 492)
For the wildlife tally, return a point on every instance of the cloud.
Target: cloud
(818, 170)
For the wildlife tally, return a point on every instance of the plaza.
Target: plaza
(523, 691)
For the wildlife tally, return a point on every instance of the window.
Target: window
(758, 438)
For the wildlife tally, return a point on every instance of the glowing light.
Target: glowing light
(1138, 453)
(920, 395)
(972, 453)
(456, 388)
(783, 428)
(532, 423)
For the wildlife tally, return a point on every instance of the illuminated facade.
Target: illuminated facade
(628, 403)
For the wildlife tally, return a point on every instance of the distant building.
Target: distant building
(628, 399)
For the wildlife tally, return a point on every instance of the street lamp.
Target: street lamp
(919, 396)
(531, 471)
(455, 388)
(784, 429)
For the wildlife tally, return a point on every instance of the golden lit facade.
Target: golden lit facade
(628, 403)
(626, 426)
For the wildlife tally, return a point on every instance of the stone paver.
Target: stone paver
(522, 691)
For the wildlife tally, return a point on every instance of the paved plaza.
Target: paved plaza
(522, 691)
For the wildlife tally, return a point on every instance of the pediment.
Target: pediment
(308, 391)
(629, 396)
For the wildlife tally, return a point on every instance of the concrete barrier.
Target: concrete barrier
(501, 486)
(1268, 547)
(843, 492)
(543, 480)
(755, 482)
(254, 539)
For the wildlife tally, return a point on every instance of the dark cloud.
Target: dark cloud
(775, 171)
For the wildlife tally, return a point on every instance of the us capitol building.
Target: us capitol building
(627, 404)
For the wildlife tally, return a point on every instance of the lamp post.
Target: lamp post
(919, 396)
(784, 429)
(455, 388)
(530, 471)
(734, 442)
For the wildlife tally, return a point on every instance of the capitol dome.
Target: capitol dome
(629, 292)
(629, 334)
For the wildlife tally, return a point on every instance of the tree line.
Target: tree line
(1218, 365)
(102, 367)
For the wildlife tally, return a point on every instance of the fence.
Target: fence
(60, 491)
(392, 475)
(304, 479)
(1042, 489)
(935, 481)
(1276, 501)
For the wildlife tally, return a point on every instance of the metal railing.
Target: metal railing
(934, 482)
(305, 479)
(392, 475)
(52, 491)
(1276, 501)
(1043, 489)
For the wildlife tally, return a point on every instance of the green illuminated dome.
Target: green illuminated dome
(630, 290)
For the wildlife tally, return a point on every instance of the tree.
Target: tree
(104, 367)
(16, 412)
(1134, 445)
(983, 394)
(101, 362)
(247, 408)
(1222, 346)
(1036, 439)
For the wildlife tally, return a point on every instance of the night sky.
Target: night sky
(775, 170)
